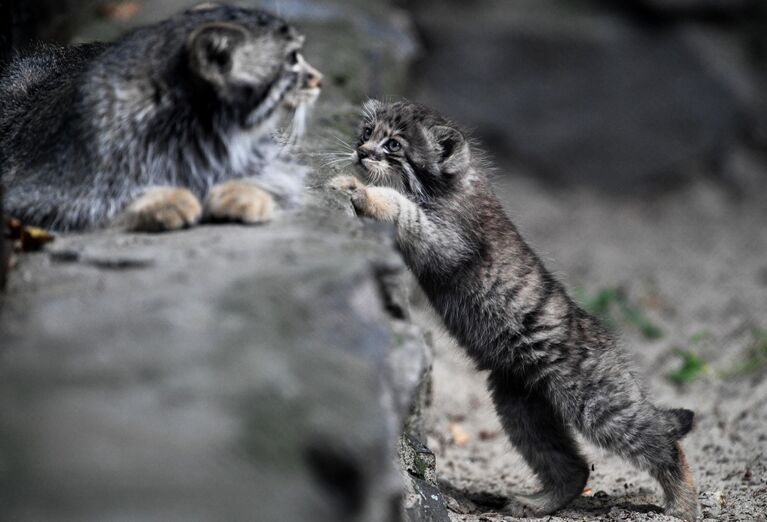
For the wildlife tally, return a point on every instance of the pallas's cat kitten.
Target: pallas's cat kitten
(553, 370)
(152, 125)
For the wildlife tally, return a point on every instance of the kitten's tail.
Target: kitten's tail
(682, 420)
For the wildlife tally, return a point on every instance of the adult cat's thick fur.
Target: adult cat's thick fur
(155, 121)
(552, 368)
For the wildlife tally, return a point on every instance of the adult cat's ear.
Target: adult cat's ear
(211, 49)
(453, 148)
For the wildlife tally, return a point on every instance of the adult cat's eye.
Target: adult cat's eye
(393, 145)
(366, 133)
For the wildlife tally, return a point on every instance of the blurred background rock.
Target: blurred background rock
(616, 95)
(630, 139)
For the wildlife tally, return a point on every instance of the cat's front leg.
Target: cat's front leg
(239, 200)
(161, 209)
(379, 203)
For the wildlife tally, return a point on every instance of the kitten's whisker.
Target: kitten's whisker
(335, 162)
(343, 143)
(331, 153)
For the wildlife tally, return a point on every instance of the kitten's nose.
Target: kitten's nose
(362, 153)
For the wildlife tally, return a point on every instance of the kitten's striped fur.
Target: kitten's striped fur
(553, 369)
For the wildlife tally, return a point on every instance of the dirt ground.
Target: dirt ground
(693, 263)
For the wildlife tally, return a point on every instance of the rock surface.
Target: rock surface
(676, 7)
(580, 93)
(207, 375)
(223, 371)
(3, 248)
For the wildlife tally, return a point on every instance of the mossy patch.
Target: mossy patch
(612, 307)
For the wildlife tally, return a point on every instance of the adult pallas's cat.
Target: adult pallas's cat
(151, 126)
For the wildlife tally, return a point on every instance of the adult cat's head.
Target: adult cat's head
(231, 65)
(249, 59)
(411, 148)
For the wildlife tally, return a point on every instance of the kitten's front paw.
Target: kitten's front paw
(380, 203)
(240, 201)
(162, 209)
(346, 184)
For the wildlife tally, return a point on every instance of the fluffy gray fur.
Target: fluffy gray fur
(553, 369)
(188, 102)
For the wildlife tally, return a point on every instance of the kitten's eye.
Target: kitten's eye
(393, 146)
(366, 133)
(293, 58)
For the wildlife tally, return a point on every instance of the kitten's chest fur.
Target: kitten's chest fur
(500, 298)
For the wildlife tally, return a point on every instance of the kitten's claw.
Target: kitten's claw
(240, 201)
(347, 184)
(162, 209)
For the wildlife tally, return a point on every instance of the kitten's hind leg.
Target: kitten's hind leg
(678, 487)
(161, 209)
(648, 436)
(544, 441)
(239, 200)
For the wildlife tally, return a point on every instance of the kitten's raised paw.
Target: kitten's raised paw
(162, 209)
(380, 203)
(347, 184)
(239, 201)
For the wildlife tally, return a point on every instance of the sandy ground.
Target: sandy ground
(694, 261)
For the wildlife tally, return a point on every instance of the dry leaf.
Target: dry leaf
(459, 435)
(26, 239)
(487, 435)
(14, 228)
(34, 239)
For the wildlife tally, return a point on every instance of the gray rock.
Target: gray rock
(3, 251)
(364, 49)
(418, 459)
(223, 373)
(426, 503)
(576, 93)
(676, 7)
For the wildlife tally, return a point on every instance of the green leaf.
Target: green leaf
(611, 306)
(690, 369)
(754, 357)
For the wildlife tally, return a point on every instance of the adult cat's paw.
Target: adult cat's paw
(240, 201)
(346, 184)
(162, 209)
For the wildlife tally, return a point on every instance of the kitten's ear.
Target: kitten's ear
(454, 149)
(211, 49)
